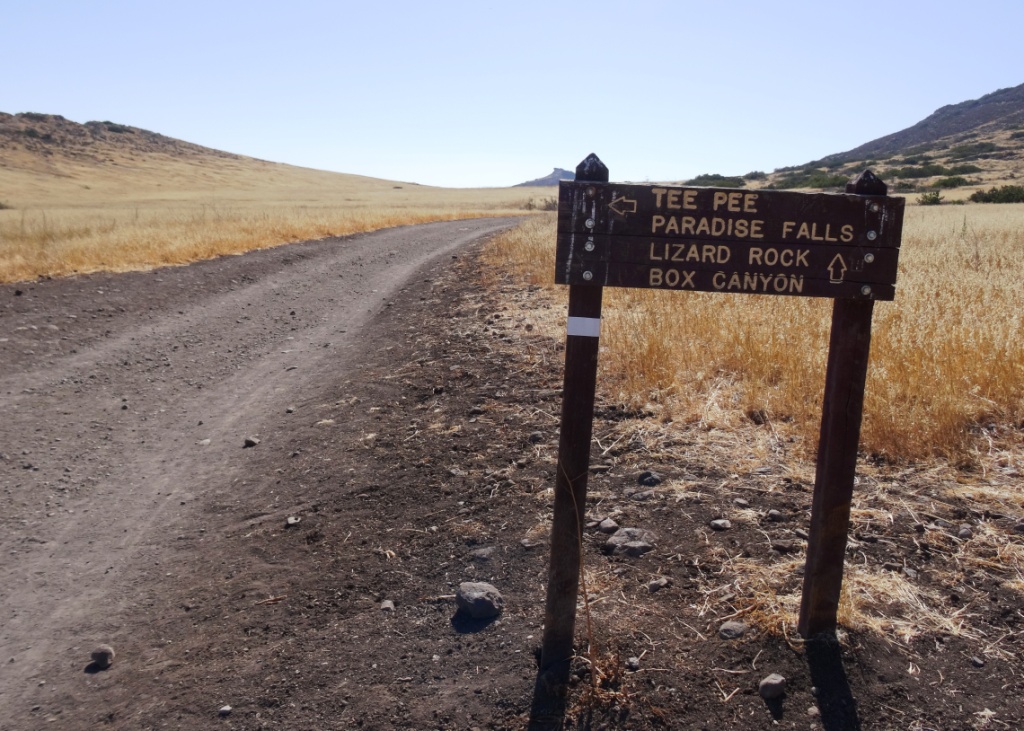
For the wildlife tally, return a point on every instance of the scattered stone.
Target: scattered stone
(629, 535)
(642, 496)
(290, 410)
(649, 478)
(536, 437)
(387, 606)
(721, 524)
(203, 442)
(909, 572)
(813, 712)
(741, 502)
(600, 469)
(224, 711)
(479, 600)
(801, 533)
(633, 664)
(477, 411)
(965, 533)
(732, 630)
(633, 549)
(977, 662)
(103, 656)
(784, 546)
(250, 442)
(662, 582)
(608, 526)
(293, 520)
(482, 554)
(1019, 527)
(776, 516)
(772, 687)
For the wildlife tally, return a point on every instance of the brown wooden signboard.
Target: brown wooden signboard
(727, 240)
(841, 246)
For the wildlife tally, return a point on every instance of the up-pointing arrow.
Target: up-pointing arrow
(628, 205)
(836, 269)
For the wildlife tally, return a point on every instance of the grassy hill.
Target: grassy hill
(100, 195)
(48, 161)
(959, 149)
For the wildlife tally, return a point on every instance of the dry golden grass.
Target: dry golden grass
(947, 357)
(945, 390)
(138, 212)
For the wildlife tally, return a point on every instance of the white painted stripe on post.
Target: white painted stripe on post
(587, 327)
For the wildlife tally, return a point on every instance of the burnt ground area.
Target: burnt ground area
(428, 460)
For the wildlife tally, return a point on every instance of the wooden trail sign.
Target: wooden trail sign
(727, 240)
(840, 246)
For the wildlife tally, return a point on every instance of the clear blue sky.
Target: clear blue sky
(488, 93)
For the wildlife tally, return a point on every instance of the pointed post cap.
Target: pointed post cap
(592, 170)
(867, 183)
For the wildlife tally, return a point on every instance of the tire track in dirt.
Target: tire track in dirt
(110, 387)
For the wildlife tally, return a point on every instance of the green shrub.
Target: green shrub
(755, 175)
(5, 207)
(813, 179)
(904, 186)
(716, 181)
(955, 181)
(964, 169)
(1017, 135)
(1002, 194)
(973, 150)
(932, 198)
(921, 171)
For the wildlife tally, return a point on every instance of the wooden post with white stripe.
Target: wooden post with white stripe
(578, 392)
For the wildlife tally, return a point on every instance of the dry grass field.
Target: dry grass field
(98, 203)
(742, 378)
(947, 358)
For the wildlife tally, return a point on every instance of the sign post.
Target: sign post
(839, 246)
(845, 375)
(578, 390)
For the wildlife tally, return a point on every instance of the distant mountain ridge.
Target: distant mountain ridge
(998, 111)
(553, 178)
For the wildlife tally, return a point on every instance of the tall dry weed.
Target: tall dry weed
(947, 356)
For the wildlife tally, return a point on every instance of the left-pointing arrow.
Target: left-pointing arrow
(623, 205)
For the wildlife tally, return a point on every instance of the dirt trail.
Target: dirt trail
(110, 387)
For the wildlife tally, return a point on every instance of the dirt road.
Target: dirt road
(126, 401)
(406, 419)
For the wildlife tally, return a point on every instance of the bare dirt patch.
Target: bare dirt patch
(416, 455)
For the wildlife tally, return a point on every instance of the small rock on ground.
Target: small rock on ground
(224, 711)
(662, 582)
(608, 526)
(387, 606)
(721, 524)
(483, 554)
(772, 687)
(479, 600)
(103, 656)
(649, 478)
(633, 549)
(250, 442)
(628, 535)
(732, 630)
